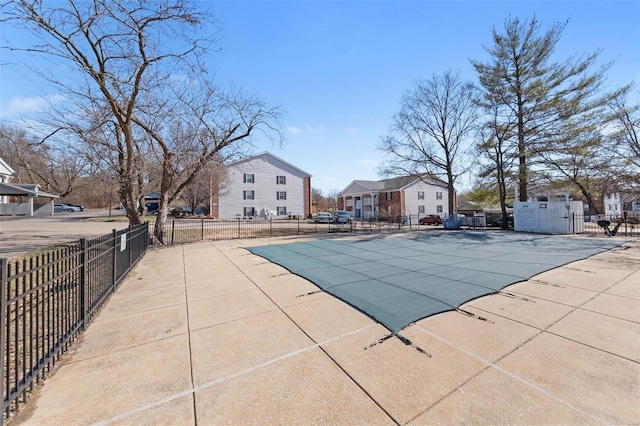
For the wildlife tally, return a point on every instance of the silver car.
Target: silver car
(323, 217)
(65, 208)
(341, 216)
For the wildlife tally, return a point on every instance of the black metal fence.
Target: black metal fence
(184, 230)
(47, 298)
(623, 225)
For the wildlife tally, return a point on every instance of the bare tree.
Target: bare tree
(493, 145)
(139, 92)
(429, 134)
(317, 199)
(206, 125)
(35, 161)
(332, 199)
(213, 180)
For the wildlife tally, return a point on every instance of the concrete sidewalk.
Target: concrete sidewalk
(209, 334)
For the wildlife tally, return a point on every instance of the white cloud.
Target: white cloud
(26, 106)
(352, 130)
(293, 130)
(315, 130)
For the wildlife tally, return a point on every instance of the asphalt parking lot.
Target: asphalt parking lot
(20, 235)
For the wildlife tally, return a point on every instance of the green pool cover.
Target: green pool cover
(400, 280)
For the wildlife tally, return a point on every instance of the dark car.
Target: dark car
(341, 216)
(432, 219)
(498, 222)
(152, 207)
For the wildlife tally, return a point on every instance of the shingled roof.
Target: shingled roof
(396, 183)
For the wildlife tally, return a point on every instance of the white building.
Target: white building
(20, 191)
(264, 186)
(401, 196)
(5, 176)
(612, 204)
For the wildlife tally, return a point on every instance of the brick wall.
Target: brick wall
(307, 196)
(395, 203)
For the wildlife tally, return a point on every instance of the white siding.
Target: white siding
(612, 204)
(430, 202)
(265, 168)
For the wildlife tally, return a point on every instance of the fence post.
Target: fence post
(84, 284)
(239, 227)
(129, 243)
(202, 229)
(3, 325)
(113, 261)
(149, 232)
(298, 224)
(270, 226)
(173, 230)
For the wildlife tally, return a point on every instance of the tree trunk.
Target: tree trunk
(450, 189)
(522, 154)
(161, 219)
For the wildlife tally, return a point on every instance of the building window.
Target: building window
(438, 195)
(389, 195)
(438, 209)
(420, 195)
(249, 212)
(420, 209)
(282, 211)
(281, 180)
(248, 178)
(281, 195)
(247, 195)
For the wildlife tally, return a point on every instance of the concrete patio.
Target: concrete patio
(210, 334)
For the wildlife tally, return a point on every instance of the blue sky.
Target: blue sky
(338, 69)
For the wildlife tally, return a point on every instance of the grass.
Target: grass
(119, 218)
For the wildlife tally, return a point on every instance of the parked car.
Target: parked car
(181, 210)
(323, 217)
(65, 208)
(498, 222)
(152, 207)
(341, 216)
(75, 205)
(432, 219)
